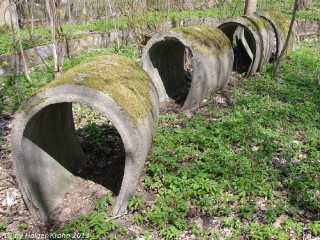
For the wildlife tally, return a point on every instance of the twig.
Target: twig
(118, 216)
(205, 104)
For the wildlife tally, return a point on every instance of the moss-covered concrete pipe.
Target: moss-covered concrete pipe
(46, 150)
(280, 24)
(254, 39)
(212, 60)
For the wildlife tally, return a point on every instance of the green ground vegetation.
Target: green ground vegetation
(251, 166)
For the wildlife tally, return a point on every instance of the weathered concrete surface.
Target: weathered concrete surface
(254, 39)
(46, 151)
(212, 60)
(280, 24)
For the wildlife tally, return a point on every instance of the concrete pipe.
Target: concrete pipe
(280, 24)
(46, 151)
(252, 39)
(211, 60)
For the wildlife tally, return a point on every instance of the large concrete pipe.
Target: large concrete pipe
(280, 24)
(212, 60)
(46, 151)
(252, 38)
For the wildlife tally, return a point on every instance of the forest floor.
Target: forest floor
(97, 178)
(244, 164)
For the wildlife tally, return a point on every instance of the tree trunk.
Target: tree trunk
(32, 15)
(70, 44)
(25, 67)
(250, 7)
(115, 25)
(53, 19)
(168, 9)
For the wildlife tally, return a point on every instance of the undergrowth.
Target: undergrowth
(245, 170)
(252, 167)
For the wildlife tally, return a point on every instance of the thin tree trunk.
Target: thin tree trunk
(168, 9)
(32, 15)
(115, 26)
(52, 15)
(70, 44)
(283, 51)
(14, 41)
(250, 7)
(25, 67)
(106, 9)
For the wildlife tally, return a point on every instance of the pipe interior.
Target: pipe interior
(104, 149)
(174, 64)
(92, 150)
(243, 46)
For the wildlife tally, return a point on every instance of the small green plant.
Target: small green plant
(98, 224)
(22, 226)
(3, 223)
(170, 232)
(135, 202)
(138, 219)
(315, 228)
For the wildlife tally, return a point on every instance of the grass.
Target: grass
(252, 167)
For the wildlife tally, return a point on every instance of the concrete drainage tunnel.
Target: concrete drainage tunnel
(164, 56)
(46, 150)
(168, 57)
(256, 39)
(186, 64)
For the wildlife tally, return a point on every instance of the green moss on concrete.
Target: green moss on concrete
(29, 109)
(206, 40)
(120, 78)
(255, 22)
(282, 22)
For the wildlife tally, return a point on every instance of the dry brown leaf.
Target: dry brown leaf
(280, 220)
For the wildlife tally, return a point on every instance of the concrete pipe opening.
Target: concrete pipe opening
(170, 58)
(252, 40)
(187, 63)
(102, 146)
(46, 150)
(243, 45)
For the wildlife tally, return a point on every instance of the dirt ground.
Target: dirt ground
(101, 174)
